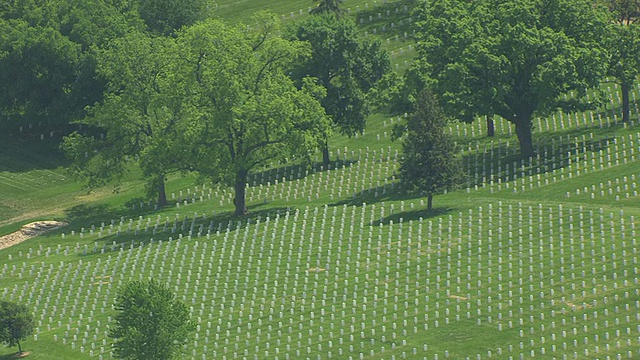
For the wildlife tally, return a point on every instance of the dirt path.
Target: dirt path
(28, 231)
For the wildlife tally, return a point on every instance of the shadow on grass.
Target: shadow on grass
(376, 195)
(184, 227)
(19, 155)
(92, 214)
(294, 172)
(502, 164)
(413, 215)
(393, 194)
(11, 356)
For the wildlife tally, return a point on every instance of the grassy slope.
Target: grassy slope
(250, 255)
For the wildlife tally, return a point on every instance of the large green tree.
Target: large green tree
(347, 64)
(150, 323)
(513, 58)
(47, 62)
(37, 68)
(623, 43)
(251, 110)
(429, 163)
(144, 116)
(16, 323)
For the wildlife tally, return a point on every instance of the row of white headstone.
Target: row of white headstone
(543, 171)
(360, 283)
(373, 171)
(558, 121)
(358, 9)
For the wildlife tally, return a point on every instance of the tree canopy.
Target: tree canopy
(16, 323)
(347, 64)
(625, 12)
(429, 163)
(47, 64)
(623, 43)
(514, 58)
(144, 115)
(252, 112)
(37, 67)
(328, 6)
(151, 323)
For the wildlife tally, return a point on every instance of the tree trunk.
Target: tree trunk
(162, 193)
(326, 160)
(626, 108)
(523, 130)
(19, 347)
(240, 200)
(429, 202)
(491, 129)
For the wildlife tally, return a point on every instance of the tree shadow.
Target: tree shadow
(12, 356)
(502, 164)
(378, 194)
(293, 172)
(412, 215)
(20, 155)
(94, 213)
(124, 236)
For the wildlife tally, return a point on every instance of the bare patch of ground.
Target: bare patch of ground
(30, 230)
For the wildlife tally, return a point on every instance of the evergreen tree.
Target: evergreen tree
(328, 6)
(429, 164)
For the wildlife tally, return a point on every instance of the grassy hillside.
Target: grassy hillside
(529, 260)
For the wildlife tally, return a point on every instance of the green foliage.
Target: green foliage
(16, 323)
(625, 12)
(347, 64)
(515, 58)
(461, 339)
(623, 44)
(164, 17)
(144, 115)
(150, 322)
(47, 56)
(37, 69)
(328, 6)
(250, 110)
(429, 162)
(403, 94)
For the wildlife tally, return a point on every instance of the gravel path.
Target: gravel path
(28, 231)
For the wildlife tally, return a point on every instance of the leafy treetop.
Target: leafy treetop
(513, 58)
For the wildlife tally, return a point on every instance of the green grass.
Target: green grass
(338, 264)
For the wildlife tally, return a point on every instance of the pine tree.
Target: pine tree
(429, 164)
(328, 6)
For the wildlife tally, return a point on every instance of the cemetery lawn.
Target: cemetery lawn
(533, 260)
